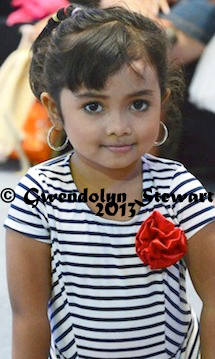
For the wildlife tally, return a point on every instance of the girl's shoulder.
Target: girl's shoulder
(53, 163)
(160, 164)
(55, 168)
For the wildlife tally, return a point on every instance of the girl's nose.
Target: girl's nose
(118, 125)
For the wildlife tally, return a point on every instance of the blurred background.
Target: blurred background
(190, 26)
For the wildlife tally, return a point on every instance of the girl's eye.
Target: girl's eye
(93, 107)
(139, 105)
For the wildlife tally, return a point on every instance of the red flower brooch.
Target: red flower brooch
(159, 243)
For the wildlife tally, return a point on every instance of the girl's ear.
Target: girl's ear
(166, 96)
(164, 101)
(51, 106)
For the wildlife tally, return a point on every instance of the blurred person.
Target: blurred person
(193, 22)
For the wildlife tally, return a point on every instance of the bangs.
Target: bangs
(100, 53)
(85, 50)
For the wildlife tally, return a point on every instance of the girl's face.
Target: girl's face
(113, 127)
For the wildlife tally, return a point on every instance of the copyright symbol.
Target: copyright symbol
(7, 195)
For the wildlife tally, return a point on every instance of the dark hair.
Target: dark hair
(88, 47)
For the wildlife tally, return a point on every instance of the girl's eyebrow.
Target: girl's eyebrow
(90, 94)
(96, 95)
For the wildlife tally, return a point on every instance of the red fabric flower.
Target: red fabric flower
(159, 243)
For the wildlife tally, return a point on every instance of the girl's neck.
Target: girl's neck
(113, 181)
(89, 175)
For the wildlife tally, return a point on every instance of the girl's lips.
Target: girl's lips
(119, 149)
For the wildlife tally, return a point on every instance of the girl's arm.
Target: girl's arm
(29, 283)
(200, 260)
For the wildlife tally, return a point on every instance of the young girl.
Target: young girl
(97, 236)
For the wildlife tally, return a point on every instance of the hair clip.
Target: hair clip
(55, 18)
(76, 10)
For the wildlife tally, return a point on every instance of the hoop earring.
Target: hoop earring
(59, 148)
(166, 134)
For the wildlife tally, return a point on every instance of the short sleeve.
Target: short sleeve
(191, 203)
(27, 213)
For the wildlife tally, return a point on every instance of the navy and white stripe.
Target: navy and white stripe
(105, 302)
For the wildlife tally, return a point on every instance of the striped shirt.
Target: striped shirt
(105, 302)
